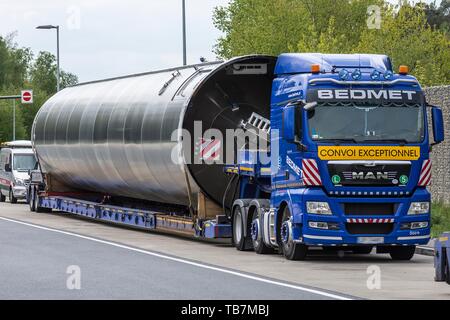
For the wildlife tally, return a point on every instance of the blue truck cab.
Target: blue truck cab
(349, 161)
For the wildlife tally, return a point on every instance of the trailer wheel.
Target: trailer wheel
(241, 242)
(402, 253)
(256, 230)
(291, 250)
(2, 197)
(32, 199)
(12, 199)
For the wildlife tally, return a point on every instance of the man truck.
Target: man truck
(342, 158)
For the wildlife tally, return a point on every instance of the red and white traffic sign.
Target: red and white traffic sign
(27, 96)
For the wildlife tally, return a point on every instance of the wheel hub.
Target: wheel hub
(255, 230)
(286, 232)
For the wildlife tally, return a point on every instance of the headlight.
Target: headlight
(318, 208)
(419, 208)
(19, 183)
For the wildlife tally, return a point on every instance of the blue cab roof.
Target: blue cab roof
(292, 63)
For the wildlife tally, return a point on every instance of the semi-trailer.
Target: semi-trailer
(277, 153)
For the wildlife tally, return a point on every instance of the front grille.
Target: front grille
(370, 228)
(369, 209)
(364, 173)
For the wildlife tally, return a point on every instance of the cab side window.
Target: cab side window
(2, 161)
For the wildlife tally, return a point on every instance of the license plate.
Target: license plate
(371, 240)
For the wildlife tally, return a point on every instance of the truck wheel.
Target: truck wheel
(241, 242)
(362, 250)
(402, 253)
(12, 199)
(40, 209)
(291, 250)
(446, 267)
(2, 197)
(32, 199)
(256, 230)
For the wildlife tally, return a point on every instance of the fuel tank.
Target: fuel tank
(119, 136)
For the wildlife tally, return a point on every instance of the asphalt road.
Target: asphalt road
(38, 263)
(117, 263)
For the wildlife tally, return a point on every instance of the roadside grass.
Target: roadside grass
(440, 218)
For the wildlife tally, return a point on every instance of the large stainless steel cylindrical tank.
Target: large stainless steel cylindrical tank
(115, 136)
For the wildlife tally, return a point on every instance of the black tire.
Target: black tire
(258, 244)
(291, 250)
(12, 199)
(241, 242)
(446, 267)
(32, 200)
(402, 253)
(40, 209)
(2, 197)
(362, 250)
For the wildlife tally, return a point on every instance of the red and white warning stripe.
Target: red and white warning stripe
(425, 175)
(311, 174)
(371, 221)
(209, 150)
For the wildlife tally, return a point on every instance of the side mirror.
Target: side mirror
(289, 133)
(7, 167)
(438, 125)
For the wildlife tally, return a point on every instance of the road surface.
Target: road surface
(41, 253)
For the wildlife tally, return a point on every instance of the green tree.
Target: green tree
(274, 27)
(439, 16)
(6, 121)
(408, 39)
(43, 72)
(339, 26)
(29, 111)
(14, 62)
(68, 79)
(18, 70)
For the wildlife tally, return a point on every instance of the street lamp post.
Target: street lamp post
(14, 119)
(184, 33)
(58, 72)
(13, 98)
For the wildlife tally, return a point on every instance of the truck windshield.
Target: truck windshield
(24, 162)
(353, 123)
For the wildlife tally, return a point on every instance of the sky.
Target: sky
(108, 38)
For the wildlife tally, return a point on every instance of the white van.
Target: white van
(16, 160)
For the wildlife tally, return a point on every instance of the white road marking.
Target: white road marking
(180, 260)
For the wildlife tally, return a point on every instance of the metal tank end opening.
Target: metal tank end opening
(228, 97)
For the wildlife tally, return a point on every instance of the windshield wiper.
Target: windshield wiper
(402, 141)
(337, 141)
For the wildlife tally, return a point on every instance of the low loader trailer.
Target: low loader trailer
(277, 153)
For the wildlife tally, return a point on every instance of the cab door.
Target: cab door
(5, 156)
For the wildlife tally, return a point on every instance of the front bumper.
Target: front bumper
(19, 192)
(393, 235)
